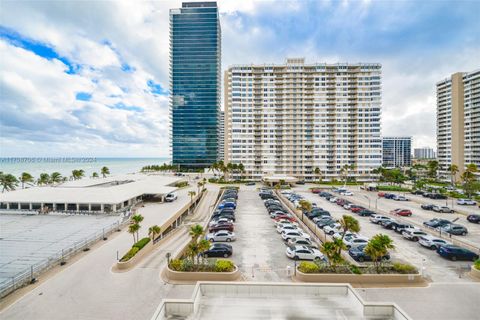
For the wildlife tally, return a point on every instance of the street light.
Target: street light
(376, 203)
(368, 198)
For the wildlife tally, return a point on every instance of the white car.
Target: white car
(331, 230)
(346, 193)
(284, 221)
(413, 234)
(348, 235)
(299, 241)
(219, 220)
(466, 202)
(303, 253)
(221, 236)
(286, 227)
(432, 242)
(355, 242)
(294, 233)
(399, 198)
(348, 206)
(171, 197)
(333, 199)
(377, 218)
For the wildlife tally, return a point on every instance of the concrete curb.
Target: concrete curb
(192, 277)
(475, 273)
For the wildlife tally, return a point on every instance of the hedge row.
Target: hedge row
(135, 248)
(186, 265)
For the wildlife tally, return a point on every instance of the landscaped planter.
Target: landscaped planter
(365, 279)
(201, 276)
(475, 273)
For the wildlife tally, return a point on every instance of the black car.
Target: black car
(324, 194)
(418, 192)
(427, 206)
(474, 218)
(224, 215)
(218, 252)
(436, 223)
(398, 227)
(300, 182)
(323, 223)
(358, 254)
(389, 195)
(437, 196)
(311, 215)
(388, 224)
(365, 213)
(221, 244)
(456, 253)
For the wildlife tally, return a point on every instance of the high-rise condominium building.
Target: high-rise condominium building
(397, 152)
(458, 121)
(221, 137)
(424, 153)
(195, 48)
(293, 118)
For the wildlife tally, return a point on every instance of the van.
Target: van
(171, 197)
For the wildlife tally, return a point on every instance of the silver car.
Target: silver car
(221, 236)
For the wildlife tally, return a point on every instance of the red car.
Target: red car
(356, 209)
(402, 212)
(221, 226)
(315, 190)
(289, 218)
(381, 194)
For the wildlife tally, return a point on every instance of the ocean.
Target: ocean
(36, 166)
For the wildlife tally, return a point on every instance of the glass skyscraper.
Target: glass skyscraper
(195, 64)
(397, 152)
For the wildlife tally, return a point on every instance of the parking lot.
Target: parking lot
(435, 267)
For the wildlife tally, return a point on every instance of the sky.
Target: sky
(90, 78)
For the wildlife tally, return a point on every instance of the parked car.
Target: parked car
(316, 190)
(358, 254)
(418, 192)
(402, 212)
(398, 227)
(302, 242)
(228, 216)
(435, 223)
(455, 253)
(376, 218)
(388, 224)
(346, 193)
(332, 228)
(437, 196)
(285, 217)
(474, 218)
(454, 229)
(303, 253)
(172, 196)
(432, 242)
(399, 198)
(220, 220)
(221, 235)
(333, 199)
(294, 233)
(427, 206)
(324, 194)
(466, 202)
(442, 209)
(221, 226)
(227, 205)
(217, 252)
(413, 234)
(284, 221)
(389, 195)
(251, 183)
(286, 227)
(321, 223)
(381, 194)
(366, 213)
(356, 208)
(355, 242)
(301, 182)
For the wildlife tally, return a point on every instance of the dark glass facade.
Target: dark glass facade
(397, 152)
(195, 62)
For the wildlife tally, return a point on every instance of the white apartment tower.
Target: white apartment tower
(293, 118)
(221, 138)
(458, 121)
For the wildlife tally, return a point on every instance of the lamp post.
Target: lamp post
(368, 198)
(376, 203)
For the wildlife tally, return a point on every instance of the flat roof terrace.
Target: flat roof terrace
(115, 192)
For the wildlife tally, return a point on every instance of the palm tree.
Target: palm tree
(191, 194)
(133, 229)
(193, 250)
(56, 177)
(104, 171)
(8, 181)
(199, 185)
(377, 248)
(345, 171)
(221, 167)
(318, 173)
(241, 168)
(453, 169)
(25, 178)
(330, 249)
(348, 223)
(153, 231)
(94, 175)
(305, 206)
(203, 245)
(43, 179)
(196, 231)
(432, 169)
(137, 218)
(78, 174)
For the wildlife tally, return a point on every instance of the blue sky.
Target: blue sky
(91, 78)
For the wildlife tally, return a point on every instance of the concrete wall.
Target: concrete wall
(202, 276)
(366, 279)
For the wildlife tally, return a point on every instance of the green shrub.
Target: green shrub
(392, 188)
(181, 184)
(355, 269)
(308, 267)
(404, 268)
(141, 243)
(187, 265)
(129, 255)
(224, 266)
(175, 264)
(477, 264)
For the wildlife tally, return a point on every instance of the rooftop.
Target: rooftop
(109, 190)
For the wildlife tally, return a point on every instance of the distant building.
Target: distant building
(397, 152)
(289, 119)
(221, 136)
(195, 73)
(458, 121)
(424, 153)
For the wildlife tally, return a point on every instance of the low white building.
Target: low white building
(103, 195)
